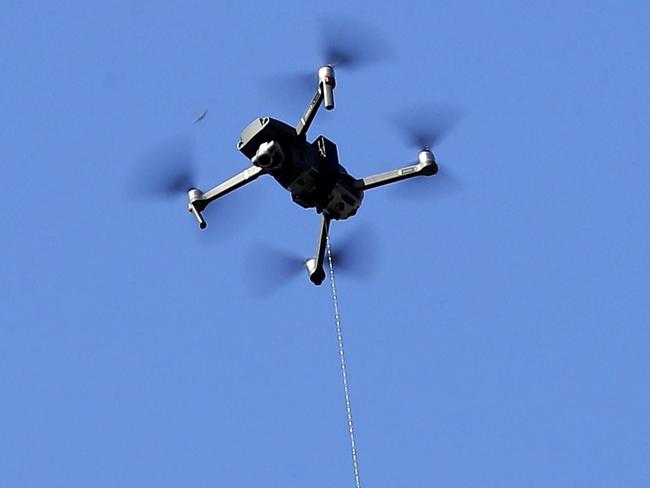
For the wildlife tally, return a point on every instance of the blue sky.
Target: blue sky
(502, 339)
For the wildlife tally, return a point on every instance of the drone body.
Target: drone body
(310, 171)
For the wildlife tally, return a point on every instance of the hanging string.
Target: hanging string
(344, 370)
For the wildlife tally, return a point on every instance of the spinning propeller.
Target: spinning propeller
(167, 171)
(423, 127)
(350, 44)
(344, 43)
(356, 253)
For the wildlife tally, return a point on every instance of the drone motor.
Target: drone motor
(194, 195)
(428, 162)
(327, 83)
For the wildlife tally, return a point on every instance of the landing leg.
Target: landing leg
(315, 265)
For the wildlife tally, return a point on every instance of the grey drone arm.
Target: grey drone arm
(315, 265)
(426, 166)
(308, 117)
(198, 201)
(325, 92)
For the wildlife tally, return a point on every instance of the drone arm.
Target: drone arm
(199, 201)
(308, 117)
(231, 184)
(325, 93)
(425, 167)
(315, 264)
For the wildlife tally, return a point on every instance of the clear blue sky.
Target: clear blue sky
(503, 341)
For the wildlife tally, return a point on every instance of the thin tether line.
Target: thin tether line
(344, 370)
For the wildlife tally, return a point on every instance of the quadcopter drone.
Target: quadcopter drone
(310, 171)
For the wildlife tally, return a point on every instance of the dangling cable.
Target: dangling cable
(344, 370)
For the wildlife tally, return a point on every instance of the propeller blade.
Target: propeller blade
(344, 43)
(357, 252)
(347, 43)
(424, 126)
(166, 171)
(269, 268)
(293, 89)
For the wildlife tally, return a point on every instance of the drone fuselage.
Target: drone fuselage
(310, 171)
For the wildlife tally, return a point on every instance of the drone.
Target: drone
(310, 171)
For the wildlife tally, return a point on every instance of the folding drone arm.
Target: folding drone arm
(308, 117)
(198, 201)
(315, 265)
(426, 166)
(325, 92)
